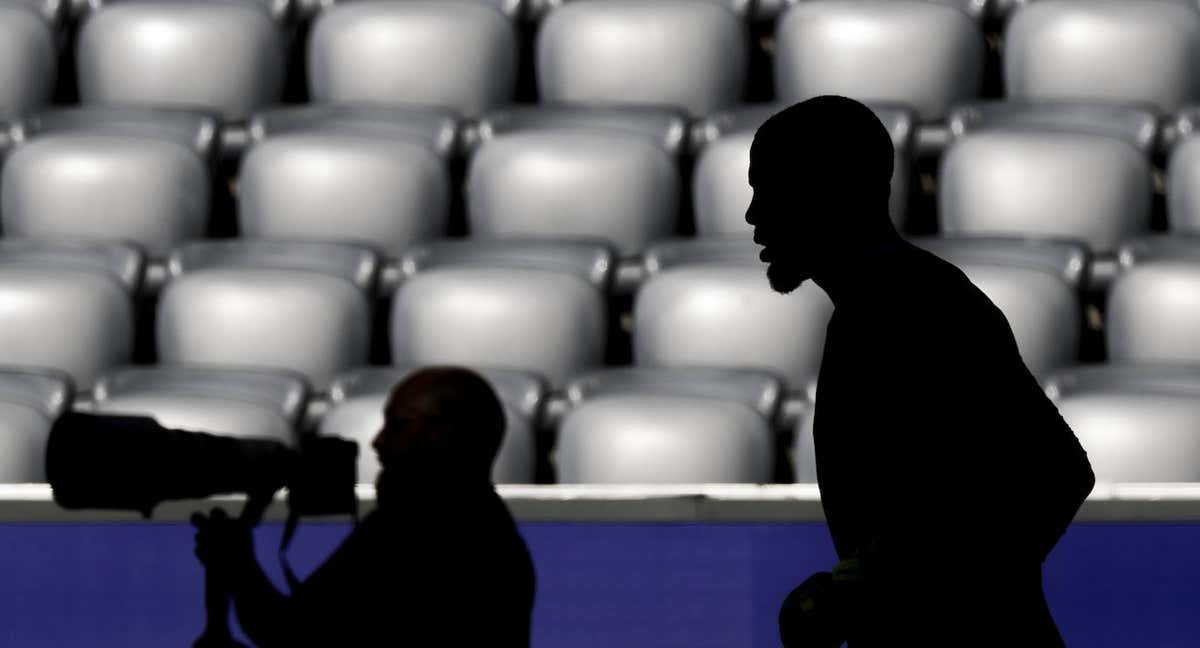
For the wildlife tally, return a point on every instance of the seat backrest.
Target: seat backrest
(69, 305)
(1137, 423)
(28, 60)
(1136, 123)
(664, 125)
(1036, 285)
(638, 426)
(1045, 183)
(277, 305)
(455, 54)
(30, 401)
(1183, 176)
(438, 129)
(108, 176)
(244, 404)
(1152, 312)
(358, 399)
(1104, 50)
(683, 53)
(708, 304)
(196, 130)
(221, 55)
(369, 189)
(616, 187)
(537, 306)
(925, 55)
(721, 192)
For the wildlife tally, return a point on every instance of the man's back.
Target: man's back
(936, 448)
(425, 572)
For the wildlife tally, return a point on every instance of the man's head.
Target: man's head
(440, 424)
(821, 172)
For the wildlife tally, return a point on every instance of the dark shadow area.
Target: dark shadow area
(946, 474)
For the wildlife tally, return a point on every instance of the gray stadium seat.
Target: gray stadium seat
(536, 306)
(371, 177)
(1035, 283)
(1133, 123)
(28, 59)
(456, 54)
(67, 305)
(668, 127)
(642, 426)
(358, 399)
(683, 53)
(244, 404)
(1136, 423)
(275, 305)
(720, 189)
(1183, 179)
(804, 453)
(1104, 50)
(926, 55)
(30, 401)
(1153, 311)
(608, 184)
(707, 303)
(435, 128)
(226, 56)
(1047, 182)
(140, 176)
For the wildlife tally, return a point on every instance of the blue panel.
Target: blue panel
(660, 585)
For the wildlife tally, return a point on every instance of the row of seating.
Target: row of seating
(1137, 423)
(538, 306)
(229, 56)
(381, 177)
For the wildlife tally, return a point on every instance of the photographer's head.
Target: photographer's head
(441, 425)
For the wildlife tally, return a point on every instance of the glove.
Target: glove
(810, 616)
(222, 543)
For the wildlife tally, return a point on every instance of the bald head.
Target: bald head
(447, 419)
(821, 174)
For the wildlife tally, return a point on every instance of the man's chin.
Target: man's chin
(783, 282)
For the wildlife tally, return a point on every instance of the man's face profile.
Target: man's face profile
(773, 215)
(410, 432)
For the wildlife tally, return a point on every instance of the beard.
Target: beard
(784, 279)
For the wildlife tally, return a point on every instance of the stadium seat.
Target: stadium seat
(67, 305)
(439, 130)
(537, 306)
(1183, 176)
(370, 177)
(804, 453)
(721, 192)
(707, 303)
(642, 426)
(28, 59)
(358, 399)
(226, 56)
(1045, 181)
(1136, 124)
(273, 305)
(30, 401)
(1136, 423)
(1035, 283)
(1154, 303)
(137, 175)
(688, 54)
(455, 54)
(244, 404)
(1104, 50)
(925, 55)
(667, 127)
(607, 184)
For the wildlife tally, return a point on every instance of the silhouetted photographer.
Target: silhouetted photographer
(439, 562)
(946, 474)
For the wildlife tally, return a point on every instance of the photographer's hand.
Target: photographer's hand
(222, 543)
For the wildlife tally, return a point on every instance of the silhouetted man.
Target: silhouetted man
(438, 563)
(946, 474)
